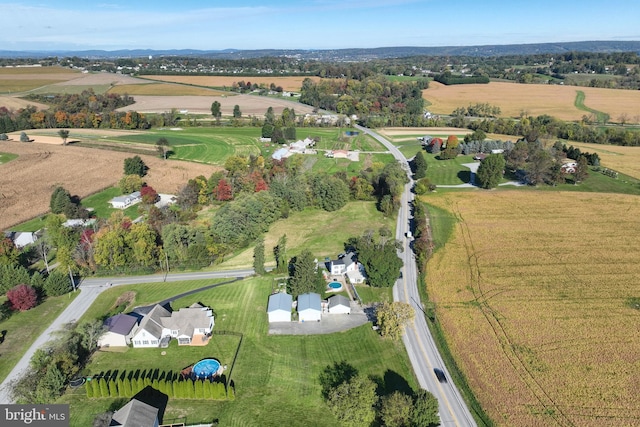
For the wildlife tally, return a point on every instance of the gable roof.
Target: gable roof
(187, 319)
(121, 323)
(336, 300)
(279, 301)
(135, 414)
(310, 301)
(152, 322)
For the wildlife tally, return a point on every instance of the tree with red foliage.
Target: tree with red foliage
(149, 195)
(22, 297)
(223, 191)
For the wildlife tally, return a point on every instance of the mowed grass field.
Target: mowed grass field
(276, 377)
(534, 294)
(513, 99)
(321, 232)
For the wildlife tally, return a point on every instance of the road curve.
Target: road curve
(417, 338)
(89, 290)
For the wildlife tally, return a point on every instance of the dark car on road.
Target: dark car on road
(440, 375)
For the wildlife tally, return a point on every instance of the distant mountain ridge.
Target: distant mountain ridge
(349, 54)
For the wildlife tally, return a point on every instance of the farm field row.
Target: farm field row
(275, 377)
(533, 295)
(514, 99)
(293, 83)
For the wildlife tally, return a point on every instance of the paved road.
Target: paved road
(421, 348)
(89, 291)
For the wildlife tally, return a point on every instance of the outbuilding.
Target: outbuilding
(119, 331)
(279, 308)
(339, 304)
(309, 307)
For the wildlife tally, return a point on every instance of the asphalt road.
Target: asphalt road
(89, 290)
(421, 348)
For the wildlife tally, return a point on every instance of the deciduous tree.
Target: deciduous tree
(393, 317)
(163, 147)
(215, 109)
(396, 410)
(353, 402)
(425, 410)
(135, 166)
(64, 134)
(22, 297)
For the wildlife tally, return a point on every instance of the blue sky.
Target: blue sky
(311, 24)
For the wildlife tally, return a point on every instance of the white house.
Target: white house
(344, 263)
(279, 308)
(119, 331)
(309, 307)
(23, 238)
(339, 304)
(122, 202)
(190, 326)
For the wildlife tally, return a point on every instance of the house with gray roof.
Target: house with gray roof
(135, 414)
(190, 326)
(309, 307)
(279, 307)
(122, 202)
(119, 330)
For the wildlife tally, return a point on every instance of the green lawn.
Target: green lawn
(7, 157)
(448, 172)
(101, 207)
(32, 225)
(276, 377)
(336, 139)
(320, 163)
(22, 329)
(321, 232)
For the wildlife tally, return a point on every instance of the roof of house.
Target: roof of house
(121, 323)
(186, 320)
(310, 301)
(22, 238)
(135, 414)
(279, 301)
(152, 322)
(348, 259)
(336, 300)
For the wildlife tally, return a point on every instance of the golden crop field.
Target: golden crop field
(625, 160)
(293, 83)
(532, 291)
(513, 98)
(22, 79)
(165, 89)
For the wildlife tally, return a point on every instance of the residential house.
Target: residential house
(309, 307)
(279, 308)
(339, 304)
(135, 414)
(122, 202)
(119, 331)
(22, 238)
(190, 326)
(345, 262)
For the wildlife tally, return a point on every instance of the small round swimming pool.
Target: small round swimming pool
(335, 285)
(206, 368)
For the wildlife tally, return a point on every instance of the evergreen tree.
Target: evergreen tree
(419, 166)
(258, 257)
(490, 171)
(305, 276)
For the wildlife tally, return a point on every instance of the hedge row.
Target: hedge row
(177, 389)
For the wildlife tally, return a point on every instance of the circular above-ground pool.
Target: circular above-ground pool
(206, 368)
(335, 286)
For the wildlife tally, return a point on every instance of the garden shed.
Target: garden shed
(279, 308)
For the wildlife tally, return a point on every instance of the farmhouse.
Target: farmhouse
(190, 326)
(309, 307)
(339, 304)
(122, 202)
(279, 308)
(345, 262)
(119, 331)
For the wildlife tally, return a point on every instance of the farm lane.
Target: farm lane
(417, 338)
(90, 289)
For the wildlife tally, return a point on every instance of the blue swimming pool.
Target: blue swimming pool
(335, 285)
(206, 368)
